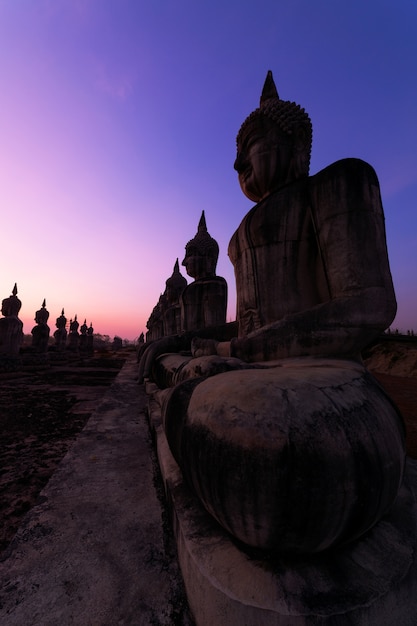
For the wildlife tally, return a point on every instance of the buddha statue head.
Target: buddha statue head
(175, 285)
(41, 316)
(273, 145)
(10, 307)
(201, 253)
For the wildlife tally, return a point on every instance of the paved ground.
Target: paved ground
(42, 411)
(96, 549)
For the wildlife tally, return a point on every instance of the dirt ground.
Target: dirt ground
(404, 393)
(41, 413)
(393, 362)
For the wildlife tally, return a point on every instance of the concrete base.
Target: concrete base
(370, 582)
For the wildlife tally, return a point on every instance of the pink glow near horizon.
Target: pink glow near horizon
(118, 128)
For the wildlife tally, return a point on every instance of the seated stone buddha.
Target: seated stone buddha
(174, 286)
(204, 301)
(11, 327)
(60, 334)
(298, 449)
(40, 332)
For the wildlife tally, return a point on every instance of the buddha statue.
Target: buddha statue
(60, 334)
(73, 335)
(90, 339)
(155, 322)
(297, 449)
(83, 337)
(171, 316)
(11, 327)
(40, 332)
(319, 240)
(204, 301)
(203, 305)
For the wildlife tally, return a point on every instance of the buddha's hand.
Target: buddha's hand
(173, 343)
(203, 347)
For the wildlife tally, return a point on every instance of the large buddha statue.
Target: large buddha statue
(310, 259)
(299, 449)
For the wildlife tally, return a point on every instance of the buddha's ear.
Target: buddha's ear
(301, 139)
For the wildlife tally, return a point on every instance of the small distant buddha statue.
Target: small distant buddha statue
(73, 335)
(155, 322)
(60, 334)
(83, 337)
(204, 301)
(302, 450)
(90, 339)
(175, 286)
(11, 327)
(40, 332)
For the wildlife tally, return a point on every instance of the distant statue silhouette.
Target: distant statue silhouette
(40, 332)
(11, 327)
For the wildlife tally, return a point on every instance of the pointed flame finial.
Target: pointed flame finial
(269, 89)
(202, 226)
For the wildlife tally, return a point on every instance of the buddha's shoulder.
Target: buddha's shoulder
(205, 283)
(346, 170)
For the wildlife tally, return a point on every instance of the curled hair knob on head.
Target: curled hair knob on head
(289, 117)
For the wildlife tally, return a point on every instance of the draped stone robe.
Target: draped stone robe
(316, 247)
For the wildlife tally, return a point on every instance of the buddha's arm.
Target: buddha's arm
(350, 230)
(340, 327)
(180, 343)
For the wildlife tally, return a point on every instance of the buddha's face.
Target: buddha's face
(264, 159)
(5, 307)
(196, 265)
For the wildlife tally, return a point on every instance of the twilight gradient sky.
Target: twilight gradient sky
(118, 121)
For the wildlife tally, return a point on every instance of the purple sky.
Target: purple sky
(118, 124)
